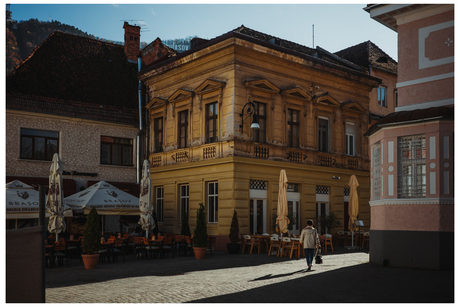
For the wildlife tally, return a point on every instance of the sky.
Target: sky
(336, 26)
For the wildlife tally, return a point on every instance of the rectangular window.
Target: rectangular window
(183, 129)
(259, 135)
(396, 97)
(116, 151)
(158, 134)
(213, 202)
(39, 144)
(376, 168)
(293, 128)
(183, 200)
(323, 135)
(382, 96)
(211, 122)
(350, 137)
(159, 205)
(412, 167)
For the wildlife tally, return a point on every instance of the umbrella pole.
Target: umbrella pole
(147, 233)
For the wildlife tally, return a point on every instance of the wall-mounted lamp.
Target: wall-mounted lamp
(255, 124)
(335, 177)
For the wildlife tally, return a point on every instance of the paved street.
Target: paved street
(344, 277)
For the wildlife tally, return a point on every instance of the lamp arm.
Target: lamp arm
(248, 110)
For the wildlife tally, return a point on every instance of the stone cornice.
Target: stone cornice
(415, 201)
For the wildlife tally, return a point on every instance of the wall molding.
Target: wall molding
(415, 201)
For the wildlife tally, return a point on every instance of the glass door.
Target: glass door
(257, 216)
(322, 209)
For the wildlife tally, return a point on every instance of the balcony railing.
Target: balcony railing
(260, 151)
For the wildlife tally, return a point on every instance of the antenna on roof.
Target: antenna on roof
(313, 36)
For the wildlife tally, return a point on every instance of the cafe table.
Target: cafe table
(107, 246)
(264, 240)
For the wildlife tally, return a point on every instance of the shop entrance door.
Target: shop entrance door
(257, 216)
(293, 202)
(322, 209)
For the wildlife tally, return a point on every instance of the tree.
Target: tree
(92, 235)
(200, 234)
(12, 52)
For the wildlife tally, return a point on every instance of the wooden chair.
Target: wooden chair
(274, 244)
(61, 253)
(150, 249)
(179, 243)
(285, 246)
(139, 247)
(365, 240)
(296, 246)
(246, 243)
(340, 236)
(168, 247)
(188, 245)
(348, 238)
(118, 249)
(321, 240)
(211, 243)
(328, 242)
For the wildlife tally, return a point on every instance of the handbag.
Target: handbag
(318, 256)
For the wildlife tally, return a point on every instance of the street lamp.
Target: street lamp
(255, 124)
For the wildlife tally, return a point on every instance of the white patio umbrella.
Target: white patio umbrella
(22, 202)
(106, 198)
(353, 207)
(145, 200)
(54, 204)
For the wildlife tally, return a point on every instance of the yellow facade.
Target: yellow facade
(294, 92)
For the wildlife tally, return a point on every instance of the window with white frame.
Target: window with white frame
(159, 204)
(350, 138)
(293, 127)
(323, 134)
(412, 167)
(213, 202)
(376, 164)
(382, 96)
(183, 200)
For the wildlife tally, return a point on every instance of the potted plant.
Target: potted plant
(91, 240)
(185, 228)
(200, 233)
(234, 247)
(330, 221)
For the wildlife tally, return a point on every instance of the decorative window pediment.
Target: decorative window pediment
(352, 106)
(327, 100)
(156, 103)
(296, 92)
(208, 86)
(263, 85)
(180, 95)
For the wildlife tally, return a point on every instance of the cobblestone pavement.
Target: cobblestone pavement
(345, 276)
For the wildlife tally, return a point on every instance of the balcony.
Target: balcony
(258, 151)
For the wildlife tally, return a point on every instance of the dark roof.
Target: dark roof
(317, 56)
(67, 70)
(418, 115)
(368, 53)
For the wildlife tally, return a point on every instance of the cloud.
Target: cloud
(116, 5)
(153, 12)
(142, 24)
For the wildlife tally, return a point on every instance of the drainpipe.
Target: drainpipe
(140, 119)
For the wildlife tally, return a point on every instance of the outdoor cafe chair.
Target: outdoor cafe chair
(61, 253)
(365, 240)
(255, 241)
(328, 242)
(179, 243)
(274, 245)
(150, 248)
(168, 247)
(49, 256)
(139, 247)
(285, 246)
(188, 245)
(296, 246)
(246, 243)
(340, 236)
(211, 243)
(118, 248)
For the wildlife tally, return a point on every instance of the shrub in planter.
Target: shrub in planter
(234, 247)
(91, 240)
(200, 233)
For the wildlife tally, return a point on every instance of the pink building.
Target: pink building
(412, 162)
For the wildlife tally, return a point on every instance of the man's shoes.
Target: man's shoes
(309, 268)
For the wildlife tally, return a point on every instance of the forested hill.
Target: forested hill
(25, 36)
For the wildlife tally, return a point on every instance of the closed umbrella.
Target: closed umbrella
(282, 210)
(353, 206)
(145, 200)
(54, 203)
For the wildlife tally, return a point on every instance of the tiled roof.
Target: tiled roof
(68, 70)
(368, 53)
(404, 117)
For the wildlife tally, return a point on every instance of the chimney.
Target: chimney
(132, 41)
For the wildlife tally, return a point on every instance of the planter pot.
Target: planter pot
(233, 248)
(199, 252)
(90, 261)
